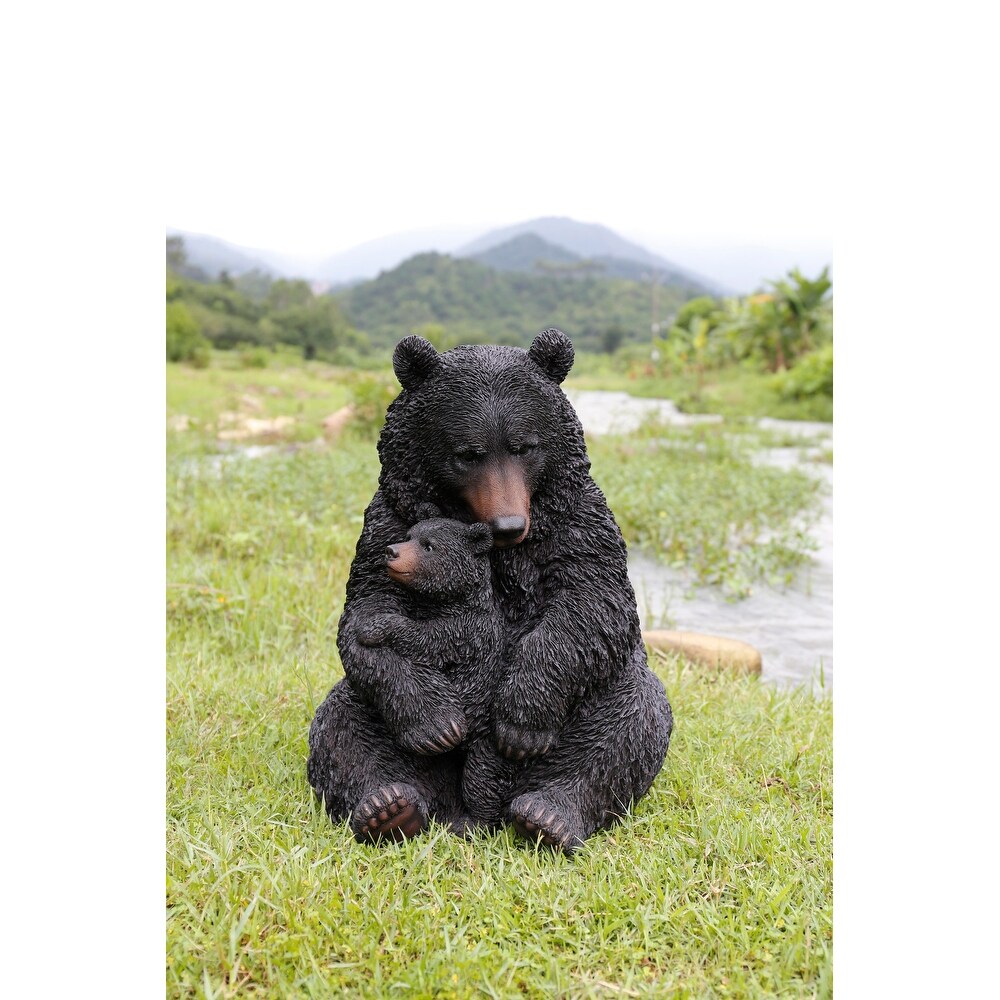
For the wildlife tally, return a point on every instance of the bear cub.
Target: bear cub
(447, 620)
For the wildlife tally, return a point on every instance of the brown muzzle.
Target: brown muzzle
(401, 559)
(500, 497)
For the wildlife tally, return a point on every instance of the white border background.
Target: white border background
(906, 156)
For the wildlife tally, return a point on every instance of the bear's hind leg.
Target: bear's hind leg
(606, 759)
(488, 783)
(384, 792)
(393, 812)
(550, 818)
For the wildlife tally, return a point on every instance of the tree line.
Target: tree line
(789, 328)
(252, 310)
(474, 303)
(451, 301)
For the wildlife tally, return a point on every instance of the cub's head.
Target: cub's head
(484, 433)
(442, 558)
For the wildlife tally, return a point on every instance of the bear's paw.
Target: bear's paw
(436, 732)
(392, 812)
(536, 817)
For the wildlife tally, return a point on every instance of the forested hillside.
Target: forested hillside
(475, 304)
(530, 254)
(249, 311)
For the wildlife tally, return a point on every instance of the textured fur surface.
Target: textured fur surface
(447, 619)
(579, 725)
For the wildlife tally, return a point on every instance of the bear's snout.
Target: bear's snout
(401, 560)
(500, 497)
(508, 530)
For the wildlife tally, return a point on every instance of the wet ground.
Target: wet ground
(793, 627)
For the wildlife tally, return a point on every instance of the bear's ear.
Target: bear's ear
(552, 351)
(414, 360)
(480, 538)
(427, 511)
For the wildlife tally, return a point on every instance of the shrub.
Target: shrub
(254, 357)
(371, 394)
(184, 339)
(811, 376)
(200, 355)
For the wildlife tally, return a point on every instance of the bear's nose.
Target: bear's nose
(391, 552)
(507, 529)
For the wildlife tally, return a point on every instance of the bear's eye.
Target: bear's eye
(523, 447)
(427, 546)
(470, 455)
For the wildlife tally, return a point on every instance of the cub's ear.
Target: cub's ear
(414, 360)
(480, 538)
(552, 351)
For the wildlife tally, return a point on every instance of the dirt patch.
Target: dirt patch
(242, 428)
(334, 424)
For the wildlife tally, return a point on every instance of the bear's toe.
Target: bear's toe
(392, 812)
(536, 818)
(448, 736)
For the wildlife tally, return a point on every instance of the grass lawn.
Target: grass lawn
(718, 885)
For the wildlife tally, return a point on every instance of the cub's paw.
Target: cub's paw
(392, 812)
(518, 742)
(438, 732)
(537, 818)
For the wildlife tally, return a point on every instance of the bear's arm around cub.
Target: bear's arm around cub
(444, 640)
(418, 704)
(584, 637)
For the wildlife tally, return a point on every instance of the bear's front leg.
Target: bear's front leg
(390, 629)
(420, 707)
(533, 698)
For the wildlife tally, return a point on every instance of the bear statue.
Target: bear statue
(485, 434)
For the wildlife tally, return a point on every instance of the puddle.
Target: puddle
(603, 412)
(212, 465)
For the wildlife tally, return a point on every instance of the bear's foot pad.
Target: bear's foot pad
(535, 818)
(392, 812)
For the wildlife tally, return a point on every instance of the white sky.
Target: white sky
(311, 129)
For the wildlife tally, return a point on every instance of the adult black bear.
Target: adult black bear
(486, 434)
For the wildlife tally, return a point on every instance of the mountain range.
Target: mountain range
(550, 245)
(514, 248)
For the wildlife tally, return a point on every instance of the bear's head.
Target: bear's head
(485, 434)
(441, 558)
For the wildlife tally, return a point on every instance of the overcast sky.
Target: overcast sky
(312, 130)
